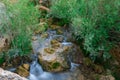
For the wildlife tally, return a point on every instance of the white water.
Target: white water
(36, 71)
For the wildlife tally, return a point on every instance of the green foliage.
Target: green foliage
(1, 59)
(23, 18)
(64, 9)
(93, 21)
(55, 65)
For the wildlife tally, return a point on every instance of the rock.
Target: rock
(23, 70)
(98, 68)
(6, 75)
(81, 77)
(26, 66)
(54, 58)
(77, 75)
(53, 61)
(59, 31)
(34, 38)
(54, 27)
(49, 50)
(58, 38)
(45, 35)
(65, 48)
(55, 44)
(54, 53)
(4, 42)
(108, 77)
(40, 28)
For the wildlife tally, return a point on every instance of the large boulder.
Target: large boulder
(54, 57)
(6, 75)
(54, 53)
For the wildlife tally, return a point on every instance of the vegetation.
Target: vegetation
(23, 17)
(55, 65)
(93, 21)
(95, 25)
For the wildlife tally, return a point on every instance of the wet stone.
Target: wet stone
(49, 50)
(23, 70)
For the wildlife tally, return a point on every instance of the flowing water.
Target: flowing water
(36, 71)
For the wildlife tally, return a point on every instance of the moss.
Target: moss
(49, 50)
(1, 60)
(55, 65)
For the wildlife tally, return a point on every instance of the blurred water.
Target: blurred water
(36, 71)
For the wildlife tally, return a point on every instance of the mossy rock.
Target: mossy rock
(59, 31)
(22, 71)
(44, 35)
(51, 66)
(55, 44)
(87, 62)
(40, 28)
(54, 27)
(55, 65)
(49, 50)
(66, 48)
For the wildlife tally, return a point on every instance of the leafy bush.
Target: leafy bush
(94, 21)
(23, 18)
(63, 9)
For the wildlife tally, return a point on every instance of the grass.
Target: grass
(93, 21)
(23, 17)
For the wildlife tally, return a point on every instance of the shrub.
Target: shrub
(63, 9)
(23, 17)
(94, 21)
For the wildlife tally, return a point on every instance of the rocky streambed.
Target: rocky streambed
(54, 57)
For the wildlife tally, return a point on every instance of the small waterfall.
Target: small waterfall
(74, 66)
(35, 68)
(36, 71)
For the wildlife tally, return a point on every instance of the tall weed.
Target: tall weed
(94, 21)
(23, 17)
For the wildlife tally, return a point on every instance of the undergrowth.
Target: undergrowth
(93, 21)
(23, 17)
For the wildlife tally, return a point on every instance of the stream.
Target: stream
(37, 73)
(36, 70)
